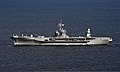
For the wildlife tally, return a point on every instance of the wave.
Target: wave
(115, 44)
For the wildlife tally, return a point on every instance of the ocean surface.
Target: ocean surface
(41, 17)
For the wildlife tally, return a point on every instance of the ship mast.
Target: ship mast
(61, 25)
(61, 32)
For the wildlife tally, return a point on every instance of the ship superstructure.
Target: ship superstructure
(61, 38)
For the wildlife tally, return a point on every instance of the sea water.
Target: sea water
(41, 17)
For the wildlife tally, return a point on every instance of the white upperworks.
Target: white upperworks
(88, 33)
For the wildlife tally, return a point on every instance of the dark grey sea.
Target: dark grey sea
(41, 17)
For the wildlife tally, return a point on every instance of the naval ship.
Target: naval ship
(60, 38)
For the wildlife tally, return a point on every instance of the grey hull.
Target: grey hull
(105, 42)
